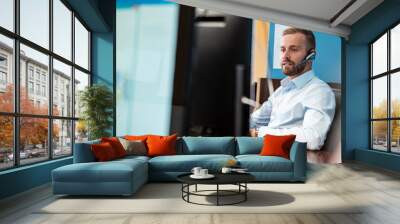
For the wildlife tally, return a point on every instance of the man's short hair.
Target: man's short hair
(310, 38)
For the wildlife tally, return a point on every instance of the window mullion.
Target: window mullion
(50, 81)
(73, 82)
(389, 104)
(16, 84)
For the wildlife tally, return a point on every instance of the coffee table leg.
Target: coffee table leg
(217, 194)
(196, 188)
(245, 193)
(188, 189)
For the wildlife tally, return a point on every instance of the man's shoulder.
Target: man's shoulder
(317, 82)
(318, 86)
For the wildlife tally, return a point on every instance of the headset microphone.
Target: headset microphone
(309, 57)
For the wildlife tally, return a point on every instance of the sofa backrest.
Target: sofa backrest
(206, 145)
(83, 152)
(248, 145)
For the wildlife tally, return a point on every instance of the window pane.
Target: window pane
(395, 47)
(62, 89)
(379, 97)
(6, 142)
(379, 55)
(33, 139)
(379, 135)
(62, 137)
(6, 74)
(395, 94)
(34, 97)
(81, 81)
(35, 21)
(81, 45)
(81, 131)
(62, 29)
(7, 14)
(395, 136)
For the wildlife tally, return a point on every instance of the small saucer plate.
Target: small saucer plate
(208, 176)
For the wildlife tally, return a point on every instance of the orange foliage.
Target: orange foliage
(34, 130)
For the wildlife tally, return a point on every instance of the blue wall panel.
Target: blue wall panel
(102, 58)
(24, 178)
(146, 47)
(357, 84)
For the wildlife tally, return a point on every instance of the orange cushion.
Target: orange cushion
(161, 145)
(136, 137)
(103, 151)
(277, 145)
(116, 145)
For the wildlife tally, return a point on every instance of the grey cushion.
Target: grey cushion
(134, 147)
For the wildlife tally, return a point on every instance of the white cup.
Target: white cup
(196, 171)
(203, 172)
(226, 170)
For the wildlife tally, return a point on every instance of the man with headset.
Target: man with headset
(303, 105)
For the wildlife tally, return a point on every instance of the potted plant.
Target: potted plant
(96, 103)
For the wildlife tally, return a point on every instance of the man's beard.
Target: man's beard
(294, 69)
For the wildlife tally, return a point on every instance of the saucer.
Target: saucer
(208, 176)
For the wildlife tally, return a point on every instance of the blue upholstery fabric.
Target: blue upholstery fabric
(126, 175)
(248, 145)
(257, 163)
(118, 177)
(298, 156)
(83, 152)
(184, 163)
(208, 145)
(273, 176)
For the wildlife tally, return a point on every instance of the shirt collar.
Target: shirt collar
(299, 81)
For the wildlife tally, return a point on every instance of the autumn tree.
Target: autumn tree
(33, 131)
(380, 127)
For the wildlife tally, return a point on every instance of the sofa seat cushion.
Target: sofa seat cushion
(185, 163)
(133, 158)
(112, 171)
(257, 163)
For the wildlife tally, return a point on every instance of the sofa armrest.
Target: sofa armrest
(299, 158)
(83, 152)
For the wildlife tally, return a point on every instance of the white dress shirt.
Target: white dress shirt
(304, 106)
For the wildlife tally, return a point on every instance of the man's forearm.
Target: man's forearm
(307, 135)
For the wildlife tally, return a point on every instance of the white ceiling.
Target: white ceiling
(317, 15)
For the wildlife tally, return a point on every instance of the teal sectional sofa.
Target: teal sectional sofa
(125, 176)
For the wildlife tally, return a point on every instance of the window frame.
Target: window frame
(16, 114)
(388, 74)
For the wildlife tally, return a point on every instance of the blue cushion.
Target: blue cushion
(185, 163)
(83, 153)
(249, 145)
(208, 145)
(257, 163)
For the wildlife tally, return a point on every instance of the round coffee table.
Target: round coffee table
(238, 179)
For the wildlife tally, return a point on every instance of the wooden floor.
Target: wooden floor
(377, 188)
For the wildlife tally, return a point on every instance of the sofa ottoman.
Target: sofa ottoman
(119, 177)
